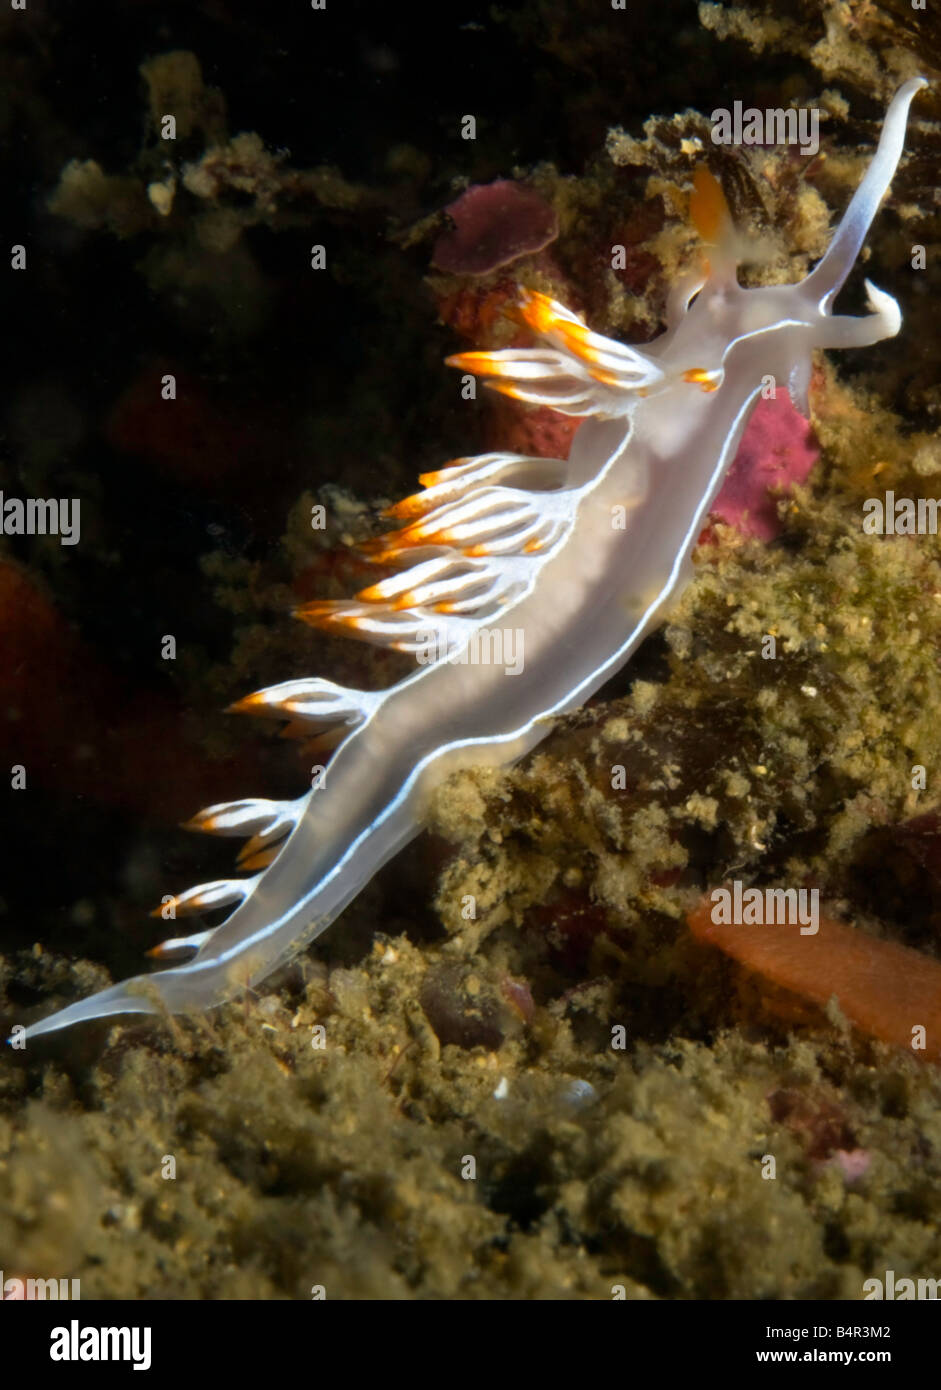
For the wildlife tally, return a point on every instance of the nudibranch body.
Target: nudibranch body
(579, 557)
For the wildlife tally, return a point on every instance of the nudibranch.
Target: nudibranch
(531, 546)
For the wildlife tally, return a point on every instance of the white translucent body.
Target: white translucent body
(654, 449)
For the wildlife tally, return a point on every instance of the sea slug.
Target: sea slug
(580, 558)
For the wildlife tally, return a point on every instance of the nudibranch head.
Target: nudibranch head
(715, 325)
(722, 327)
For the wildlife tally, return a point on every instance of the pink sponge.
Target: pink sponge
(778, 449)
(494, 224)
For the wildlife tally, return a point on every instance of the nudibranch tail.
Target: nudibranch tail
(500, 557)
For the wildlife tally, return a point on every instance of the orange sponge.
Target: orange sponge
(888, 991)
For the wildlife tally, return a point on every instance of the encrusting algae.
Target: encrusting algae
(496, 1033)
